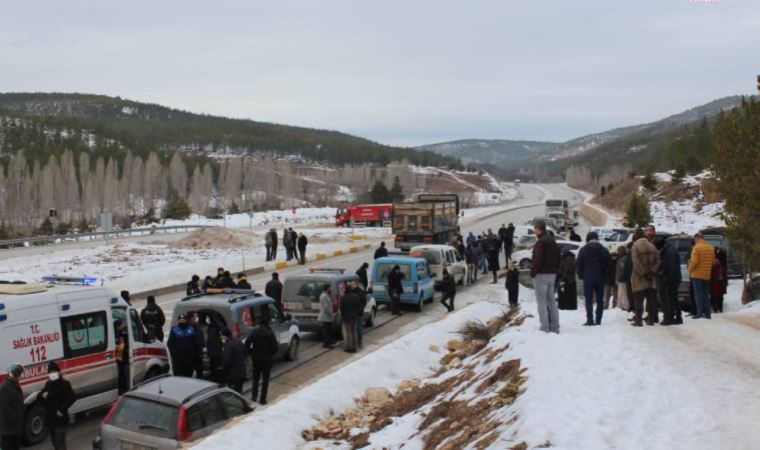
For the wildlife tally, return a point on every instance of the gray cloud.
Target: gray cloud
(402, 72)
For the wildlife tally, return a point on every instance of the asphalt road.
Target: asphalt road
(313, 360)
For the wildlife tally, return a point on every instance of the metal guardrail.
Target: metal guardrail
(115, 234)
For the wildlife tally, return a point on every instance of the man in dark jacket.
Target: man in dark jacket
(126, 297)
(395, 289)
(362, 274)
(233, 361)
(242, 282)
(219, 276)
(273, 290)
(287, 243)
(262, 346)
(274, 238)
(544, 273)
(183, 347)
(153, 318)
(381, 252)
(593, 260)
(670, 274)
(215, 349)
(575, 237)
(226, 281)
(294, 243)
(360, 321)
(448, 290)
(12, 409)
(302, 243)
(350, 311)
(57, 397)
(192, 286)
(494, 247)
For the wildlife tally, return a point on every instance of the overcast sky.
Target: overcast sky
(400, 72)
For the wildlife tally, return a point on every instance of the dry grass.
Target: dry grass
(473, 330)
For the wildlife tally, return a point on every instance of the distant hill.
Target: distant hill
(637, 144)
(145, 127)
(497, 152)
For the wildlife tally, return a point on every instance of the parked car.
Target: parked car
(418, 280)
(524, 258)
(551, 223)
(239, 310)
(606, 232)
(167, 412)
(525, 242)
(441, 257)
(684, 244)
(301, 297)
(617, 239)
(71, 322)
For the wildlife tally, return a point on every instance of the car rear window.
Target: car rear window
(383, 269)
(431, 256)
(145, 417)
(304, 289)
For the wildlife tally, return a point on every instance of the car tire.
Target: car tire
(35, 430)
(420, 304)
(370, 322)
(292, 353)
(526, 264)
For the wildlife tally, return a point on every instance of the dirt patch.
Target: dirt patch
(218, 238)
(507, 370)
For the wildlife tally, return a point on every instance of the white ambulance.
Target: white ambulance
(74, 324)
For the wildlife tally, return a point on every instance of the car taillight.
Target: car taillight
(236, 330)
(416, 287)
(428, 239)
(182, 432)
(113, 409)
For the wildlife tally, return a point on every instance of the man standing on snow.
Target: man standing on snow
(287, 242)
(449, 290)
(362, 274)
(273, 238)
(591, 265)
(544, 273)
(700, 266)
(268, 245)
(646, 262)
(670, 273)
(302, 242)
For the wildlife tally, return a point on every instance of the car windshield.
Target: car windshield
(431, 256)
(382, 270)
(305, 289)
(145, 417)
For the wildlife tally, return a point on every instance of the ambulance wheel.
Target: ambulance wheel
(35, 430)
(153, 373)
(419, 305)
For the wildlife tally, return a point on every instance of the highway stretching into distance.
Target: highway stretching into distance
(314, 361)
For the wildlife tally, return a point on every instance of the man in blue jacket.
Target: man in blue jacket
(591, 265)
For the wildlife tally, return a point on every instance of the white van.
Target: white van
(441, 257)
(73, 325)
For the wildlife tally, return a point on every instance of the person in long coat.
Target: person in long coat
(568, 287)
(623, 270)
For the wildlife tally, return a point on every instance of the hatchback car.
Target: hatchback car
(239, 310)
(441, 257)
(301, 297)
(167, 412)
(418, 280)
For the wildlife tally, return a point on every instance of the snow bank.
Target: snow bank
(687, 216)
(265, 219)
(279, 426)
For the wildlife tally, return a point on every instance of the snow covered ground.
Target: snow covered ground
(688, 216)
(136, 266)
(694, 386)
(264, 219)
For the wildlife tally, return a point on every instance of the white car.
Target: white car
(524, 258)
(617, 239)
(605, 232)
(441, 257)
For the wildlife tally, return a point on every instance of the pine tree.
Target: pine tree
(233, 209)
(380, 193)
(176, 207)
(678, 174)
(637, 213)
(649, 181)
(397, 192)
(46, 228)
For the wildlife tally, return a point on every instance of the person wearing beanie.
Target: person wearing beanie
(11, 409)
(125, 296)
(57, 397)
(233, 366)
(192, 288)
(153, 318)
(242, 282)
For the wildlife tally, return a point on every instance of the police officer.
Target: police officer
(183, 347)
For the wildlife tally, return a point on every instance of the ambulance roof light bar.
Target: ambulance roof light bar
(60, 279)
(326, 269)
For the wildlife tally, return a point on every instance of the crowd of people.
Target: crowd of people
(293, 243)
(642, 277)
(481, 253)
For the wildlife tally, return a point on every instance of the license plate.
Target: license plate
(125, 445)
(296, 306)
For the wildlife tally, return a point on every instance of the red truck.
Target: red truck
(364, 215)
